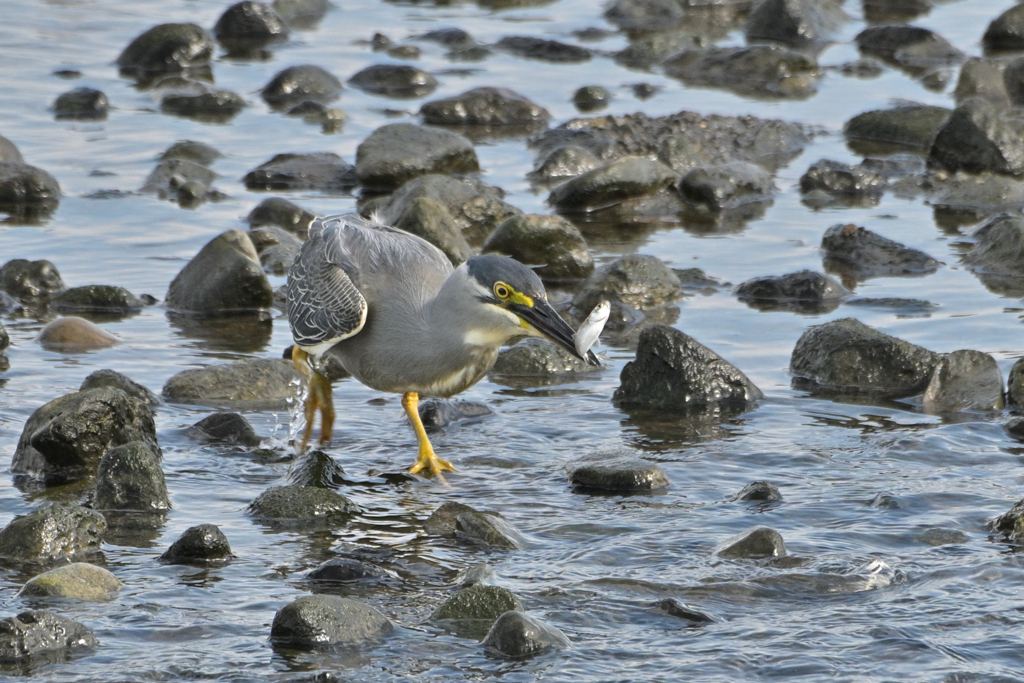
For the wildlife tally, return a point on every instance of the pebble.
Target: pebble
(81, 104)
(71, 333)
(394, 80)
(591, 98)
(78, 580)
(201, 545)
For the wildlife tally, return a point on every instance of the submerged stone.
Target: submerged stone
(323, 171)
(79, 581)
(345, 570)
(437, 413)
(516, 635)
(673, 608)
(302, 504)
(201, 545)
(71, 333)
(257, 379)
(225, 428)
(542, 49)
(319, 621)
(478, 602)
(759, 491)
(758, 542)
(616, 473)
(316, 468)
(997, 256)
(964, 380)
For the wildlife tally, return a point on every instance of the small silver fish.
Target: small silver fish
(591, 328)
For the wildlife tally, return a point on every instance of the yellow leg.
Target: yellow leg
(321, 396)
(427, 462)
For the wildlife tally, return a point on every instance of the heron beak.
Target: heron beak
(544, 321)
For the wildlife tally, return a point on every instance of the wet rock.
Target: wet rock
(518, 636)
(394, 80)
(753, 544)
(21, 183)
(319, 621)
(489, 530)
(302, 14)
(966, 198)
(343, 570)
(644, 15)
(964, 380)
(225, 428)
(478, 603)
(905, 127)
(96, 299)
(203, 103)
(565, 162)
(395, 153)
(81, 104)
(202, 545)
(301, 83)
(451, 37)
(759, 491)
(1009, 523)
(1014, 428)
(198, 152)
(674, 371)
(330, 120)
(28, 280)
(302, 504)
(110, 378)
(591, 98)
(79, 581)
(277, 248)
(282, 214)
(997, 256)
(914, 49)
(536, 360)
(323, 171)
(673, 608)
(640, 281)
(437, 413)
(71, 333)
(794, 22)
(44, 635)
(616, 473)
(862, 254)
(551, 241)
(442, 521)
(841, 180)
(544, 50)
(51, 534)
(981, 77)
(63, 440)
(893, 11)
(224, 278)
(171, 175)
(129, 478)
(167, 47)
(316, 468)
(9, 151)
(430, 220)
(645, 91)
(847, 355)
(485, 107)
(5, 339)
(1013, 82)
(249, 24)
(476, 207)
(622, 179)
(726, 186)
(1015, 385)
(977, 138)
(254, 380)
(1006, 32)
(753, 71)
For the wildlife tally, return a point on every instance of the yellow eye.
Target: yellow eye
(501, 290)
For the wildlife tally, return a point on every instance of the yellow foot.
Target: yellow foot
(431, 465)
(428, 463)
(320, 396)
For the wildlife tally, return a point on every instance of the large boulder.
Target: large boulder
(848, 356)
(42, 635)
(397, 152)
(552, 243)
(129, 477)
(78, 580)
(964, 380)
(674, 371)
(323, 621)
(246, 381)
(52, 534)
(224, 278)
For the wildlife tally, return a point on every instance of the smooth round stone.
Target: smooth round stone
(759, 491)
(300, 83)
(758, 542)
(519, 636)
(168, 47)
(346, 570)
(394, 80)
(22, 183)
(398, 152)
(226, 428)
(319, 621)
(81, 103)
(617, 474)
(204, 544)
(78, 580)
(282, 214)
(248, 21)
(591, 98)
(72, 333)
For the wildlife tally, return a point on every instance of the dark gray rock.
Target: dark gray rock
(905, 127)
(977, 137)
(1015, 385)
(861, 254)
(224, 278)
(1009, 523)
(129, 477)
(1014, 428)
(199, 152)
(300, 83)
(316, 468)
(674, 371)
(1006, 32)
(78, 581)
(485, 107)
(5, 339)
(997, 256)
(110, 378)
(323, 171)
(451, 37)
(346, 570)
(323, 621)
(626, 178)
(966, 198)
(170, 176)
(768, 71)
(640, 281)
(759, 492)
(758, 542)
(225, 428)
(894, 11)
(565, 162)
(519, 636)
(281, 213)
(81, 104)
(9, 151)
(167, 47)
(490, 530)
(27, 280)
(43, 635)
(394, 80)
(673, 608)
(984, 78)
(644, 15)
(257, 380)
(848, 356)
(616, 473)
(442, 521)
(249, 24)
(964, 380)
(96, 299)
(841, 180)
(277, 248)
(203, 103)
(52, 534)
(550, 242)
(398, 152)
(63, 440)
(862, 68)
(591, 98)
(544, 50)
(478, 603)
(21, 183)
(302, 504)
(726, 186)
(914, 49)
(302, 14)
(794, 22)
(438, 413)
(202, 545)
(538, 361)
(431, 220)
(1013, 82)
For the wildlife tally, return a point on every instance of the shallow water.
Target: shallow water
(891, 574)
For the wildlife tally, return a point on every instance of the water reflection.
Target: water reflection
(242, 334)
(661, 431)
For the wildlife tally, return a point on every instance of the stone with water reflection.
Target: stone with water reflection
(841, 180)
(616, 473)
(478, 603)
(24, 184)
(44, 635)
(52, 534)
(976, 138)
(70, 334)
(565, 162)
(225, 428)
(316, 468)
(640, 281)
(543, 49)
(438, 413)
(768, 71)
(167, 47)
(339, 572)
(551, 243)
(129, 477)
(755, 543)
(323, 171)
(96, 299)
(27, 280)
(794, 22)
(300, 83)
(81, 104)
(255, 380)
(398, 152)
(78, 580)
(303, 504)
(718, 187)
(516, 635)
(964, 380)
(905, 127)
(201, 545)
(203, 103)
(473, 526)
(917, 50)
(171, 175)
(248, 24)
(538, 361)
(860, 253)
(673, 608)
(485, 107)
(323, 621)
(224, 278)
(759, 492)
